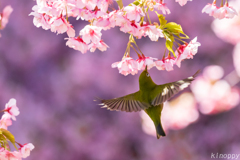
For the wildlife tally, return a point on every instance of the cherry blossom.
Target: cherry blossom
(213, 73)
(80, 4)
(103, 5)
(187, 51)
(191, 49)
(210, 9)
(7, 155)
(11, 108)
(236, 59)
(42, 15)
(52, 9)
(166, 63)
(113, 17)
(169, 62)
(4, 16)
(225, 12)
(217, 95)
(60, 25)
(182, 2)
(128, 26)
(41, 20)
(100, 45)
(150, 4)
(180, 55)
(160, 65)
(85, 14)
(52, 14)
(61, 7)
(109, 20)
(25, 149)
(226, 29)
(143, 61)
(77, 44)
(103, 22)
(5, 121)
(124, 24)
(127, 66)
(90, 4)
(97, 13)
(133, 13)
(152, 32)
(135, 30)
(162, 6)
(91, 34)
(180, 112)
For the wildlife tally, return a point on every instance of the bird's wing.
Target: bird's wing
(166, 91)
(128, 103)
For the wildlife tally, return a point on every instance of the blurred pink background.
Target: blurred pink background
(55, 87)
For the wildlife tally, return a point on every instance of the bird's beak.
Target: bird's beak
(146, 68)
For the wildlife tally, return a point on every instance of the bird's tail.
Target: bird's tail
(160, 131)
(154, 113)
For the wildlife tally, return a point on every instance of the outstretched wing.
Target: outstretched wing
(128, 103)
(166, 91)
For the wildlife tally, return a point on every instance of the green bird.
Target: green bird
(149, 98)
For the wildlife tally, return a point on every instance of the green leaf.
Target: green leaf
(4, 142)
(168, 36)
(175, 29)
(120, 4)
(169, 41)
(162, 20)
(9, 136)
(169, 45)
(178, 35)
(135, 3)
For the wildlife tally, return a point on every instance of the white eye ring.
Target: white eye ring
(147, 74)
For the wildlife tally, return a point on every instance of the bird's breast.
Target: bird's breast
(145, 96)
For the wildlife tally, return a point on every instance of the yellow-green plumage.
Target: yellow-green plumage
(154, 113)
(149, 98)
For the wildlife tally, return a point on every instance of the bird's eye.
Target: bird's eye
(147, 74)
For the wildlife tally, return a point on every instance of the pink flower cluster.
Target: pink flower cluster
(128, 19)
(236, 61)
(182, 2)
(225, 11)
(91, 39)
(130, 66)
(213, 93)
(180, 112)
(54, 15)
(4, 16)
(11, 110)
(226, 29)
(24, 152)
(160, 5)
